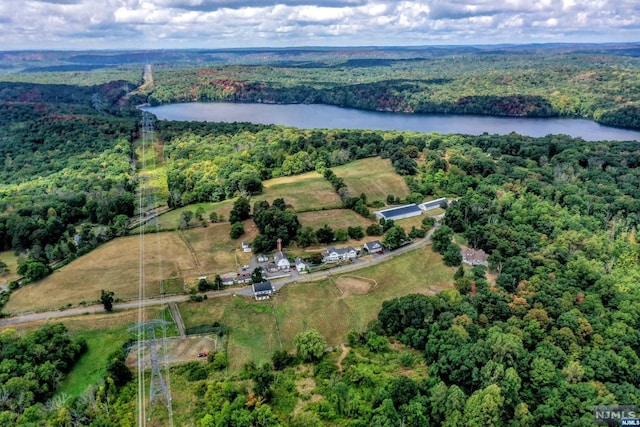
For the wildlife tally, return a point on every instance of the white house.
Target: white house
(262, 290)
(263, 258)
(281, 261)
(246, 247)
(300, 265)
(339, 254)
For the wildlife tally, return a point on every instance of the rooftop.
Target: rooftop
(262, 287)
(400, 210)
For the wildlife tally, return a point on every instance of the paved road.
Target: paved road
(244, 291)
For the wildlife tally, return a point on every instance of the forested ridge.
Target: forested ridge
(598, 87)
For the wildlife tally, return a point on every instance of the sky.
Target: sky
(157, 24)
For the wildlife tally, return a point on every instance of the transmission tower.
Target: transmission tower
(159, 389)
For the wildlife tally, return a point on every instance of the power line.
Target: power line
(159, 388)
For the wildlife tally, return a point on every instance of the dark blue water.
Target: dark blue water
(326, 116)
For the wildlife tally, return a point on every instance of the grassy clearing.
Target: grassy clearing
(91, 367)
(407, 223)
(170, 220)
(104, 332)
(156, 183)
(374, 177)
(313, 305)
(335, 218)
(306, 192)
(113, 266)
(11, 260)
(419, 271)
(208, 311)
(253, 334)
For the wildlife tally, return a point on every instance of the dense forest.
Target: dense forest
(549, 330)
(68, 160)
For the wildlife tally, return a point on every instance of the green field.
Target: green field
(420, 271)
(335, 218)
(170, 220)
(253, 334)
(374, 177)
(305, 192)
(314, 305)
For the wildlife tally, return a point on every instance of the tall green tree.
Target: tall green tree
(240, 211)
(310, 345)
(107, 298)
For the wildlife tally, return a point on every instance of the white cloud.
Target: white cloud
(237, 23)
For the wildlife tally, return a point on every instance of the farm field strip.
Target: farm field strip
(374, 177)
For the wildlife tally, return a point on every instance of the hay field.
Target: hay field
(407, 223)
(374, 177)
(113, 266)
(183, 255)
(420, 271)
(335, 218)
(306, 192)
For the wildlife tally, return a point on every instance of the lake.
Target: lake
(314, 116)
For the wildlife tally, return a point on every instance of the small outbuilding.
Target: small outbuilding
(262, 290)
(228, 279)
(399, 212)
(246, 247)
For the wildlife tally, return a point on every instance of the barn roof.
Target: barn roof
(400, 210)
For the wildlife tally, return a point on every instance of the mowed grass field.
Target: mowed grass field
(313, 305)
(113, 266)
(335, 218)
(421, 271)
(374, 177)
(253, 333)
(306, 192)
